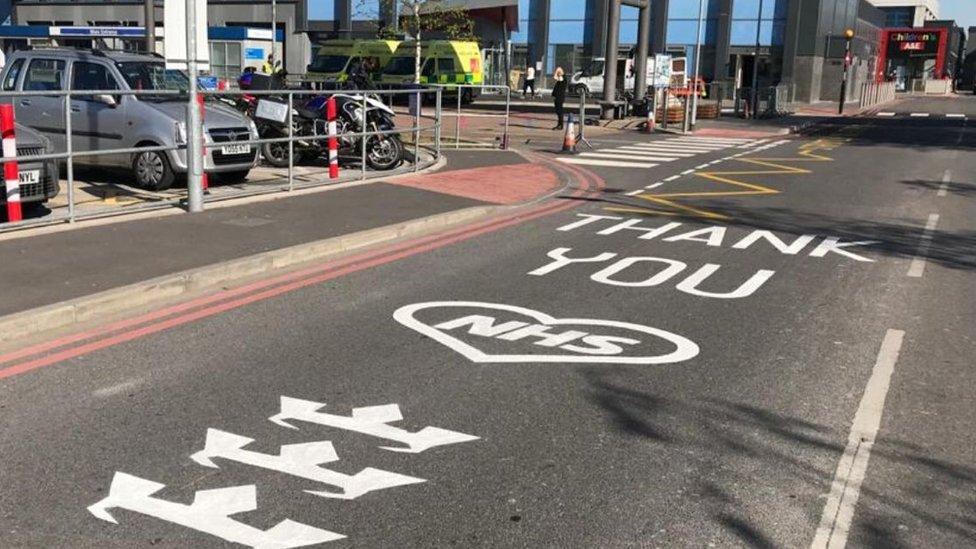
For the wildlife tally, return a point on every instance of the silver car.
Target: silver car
(108, 120)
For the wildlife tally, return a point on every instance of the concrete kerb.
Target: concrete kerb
(126, 298)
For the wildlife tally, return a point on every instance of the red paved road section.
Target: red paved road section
(511, 184)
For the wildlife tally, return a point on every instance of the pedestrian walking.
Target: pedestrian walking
(559, 96)
(529, 81)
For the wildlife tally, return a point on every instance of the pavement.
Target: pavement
(766, 346)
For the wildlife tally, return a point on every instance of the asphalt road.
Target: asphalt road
(766, 350)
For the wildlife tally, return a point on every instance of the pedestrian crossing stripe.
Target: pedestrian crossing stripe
(623, 155)
(645, 155)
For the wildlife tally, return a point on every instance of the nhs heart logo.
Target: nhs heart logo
(497, 333)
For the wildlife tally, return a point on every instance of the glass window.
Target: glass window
(428, 68)
(142, 75)
(44, 75)
(92, 76)
(10, 82)
(445, 65)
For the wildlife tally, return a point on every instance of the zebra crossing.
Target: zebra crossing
(654, 153)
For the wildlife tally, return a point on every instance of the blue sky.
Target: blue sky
(963, 11)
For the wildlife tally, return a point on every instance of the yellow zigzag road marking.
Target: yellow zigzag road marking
(809, 152)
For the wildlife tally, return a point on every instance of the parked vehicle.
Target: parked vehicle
(336, 58)
(591, 79)
(383, 152)
(104, 121)
(39, 179)
(445, 62)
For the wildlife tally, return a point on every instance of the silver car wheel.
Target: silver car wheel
(149, 168)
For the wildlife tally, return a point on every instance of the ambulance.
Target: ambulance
(335, 58)
(444, 62)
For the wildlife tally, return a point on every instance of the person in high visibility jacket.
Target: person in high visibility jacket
(268, 66)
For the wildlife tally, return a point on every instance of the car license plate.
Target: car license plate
(235, 149)
(29, 177)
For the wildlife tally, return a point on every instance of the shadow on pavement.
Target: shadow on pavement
(939, 498)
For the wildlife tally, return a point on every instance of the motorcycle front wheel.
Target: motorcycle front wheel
(276, 154)
(384, 152)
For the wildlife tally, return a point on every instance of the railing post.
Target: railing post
(69, 162)
(416, 134)
(438, 120)
(457, 123)
(362, 168)
(508, 114)
(291, 142)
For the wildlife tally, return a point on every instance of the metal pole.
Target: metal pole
(610, 68)
(667, 100)
(843, 82)
(194, 136)
(416, 135)
(274, 33)
(457, 123)
(70, 165)
(438, 119)
(643, 47)
(150, 15)
(508, 114)
(755, 63)
(291, 142)
(362, 174)
(698, 45)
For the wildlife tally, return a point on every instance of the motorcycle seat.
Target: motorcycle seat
(307, 113)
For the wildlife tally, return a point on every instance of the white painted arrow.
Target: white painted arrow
(300, 460)
(370, 420)
(209, 513)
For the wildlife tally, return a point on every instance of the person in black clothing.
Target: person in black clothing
(559, 96)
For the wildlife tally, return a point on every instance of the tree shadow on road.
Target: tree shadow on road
(731, 441)
(951, 187)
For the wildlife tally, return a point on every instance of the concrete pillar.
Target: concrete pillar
(659, 32)
(343, 18)
(723, 43)
(539, 38)
(610, 72)
(643, 48)
(596, 34)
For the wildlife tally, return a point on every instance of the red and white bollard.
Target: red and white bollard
(204, 180)
(11, 175)
(330, 115)
(649, 124)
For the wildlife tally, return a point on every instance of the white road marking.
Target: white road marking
(632, 155)
(886, 114)
(672, 178)
(654, 185)
(635, 193)
(654, 150)
(701, 166)
(302, 460)
(599, 344)
(209, 513)
(607, 163)
(944, 187)
(686, 172)
(846, 486)
(956, 115)
(369, 420)
(917, 268)
(919, 115)
(118, 388)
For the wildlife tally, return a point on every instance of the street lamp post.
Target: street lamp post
(274, 32)
(755, 62)
(698, 46)
(848, 36)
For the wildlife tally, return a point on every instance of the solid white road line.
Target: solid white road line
(944, 187)
(845, 489)
(917, 268)
(626, 155)
(606, 163)
(886, 114)
(919, 115)
(955, 115)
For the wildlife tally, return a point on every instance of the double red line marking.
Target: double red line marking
(81, 343)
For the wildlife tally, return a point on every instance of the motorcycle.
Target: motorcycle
(383, 151)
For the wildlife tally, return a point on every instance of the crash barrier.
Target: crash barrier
(11, 175)
(876, 93)
(74, 199)
(470, 92)
(767, 102)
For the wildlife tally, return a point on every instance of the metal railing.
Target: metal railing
(422, 155)
(769, 101)
(471, 92)
(876, 93)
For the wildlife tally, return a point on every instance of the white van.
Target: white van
(591, 78)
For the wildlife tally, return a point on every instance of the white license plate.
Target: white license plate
(30, 177)
(235, 149)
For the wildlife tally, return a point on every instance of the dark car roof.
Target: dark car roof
(73, 53)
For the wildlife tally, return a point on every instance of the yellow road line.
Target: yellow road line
(809, 152)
